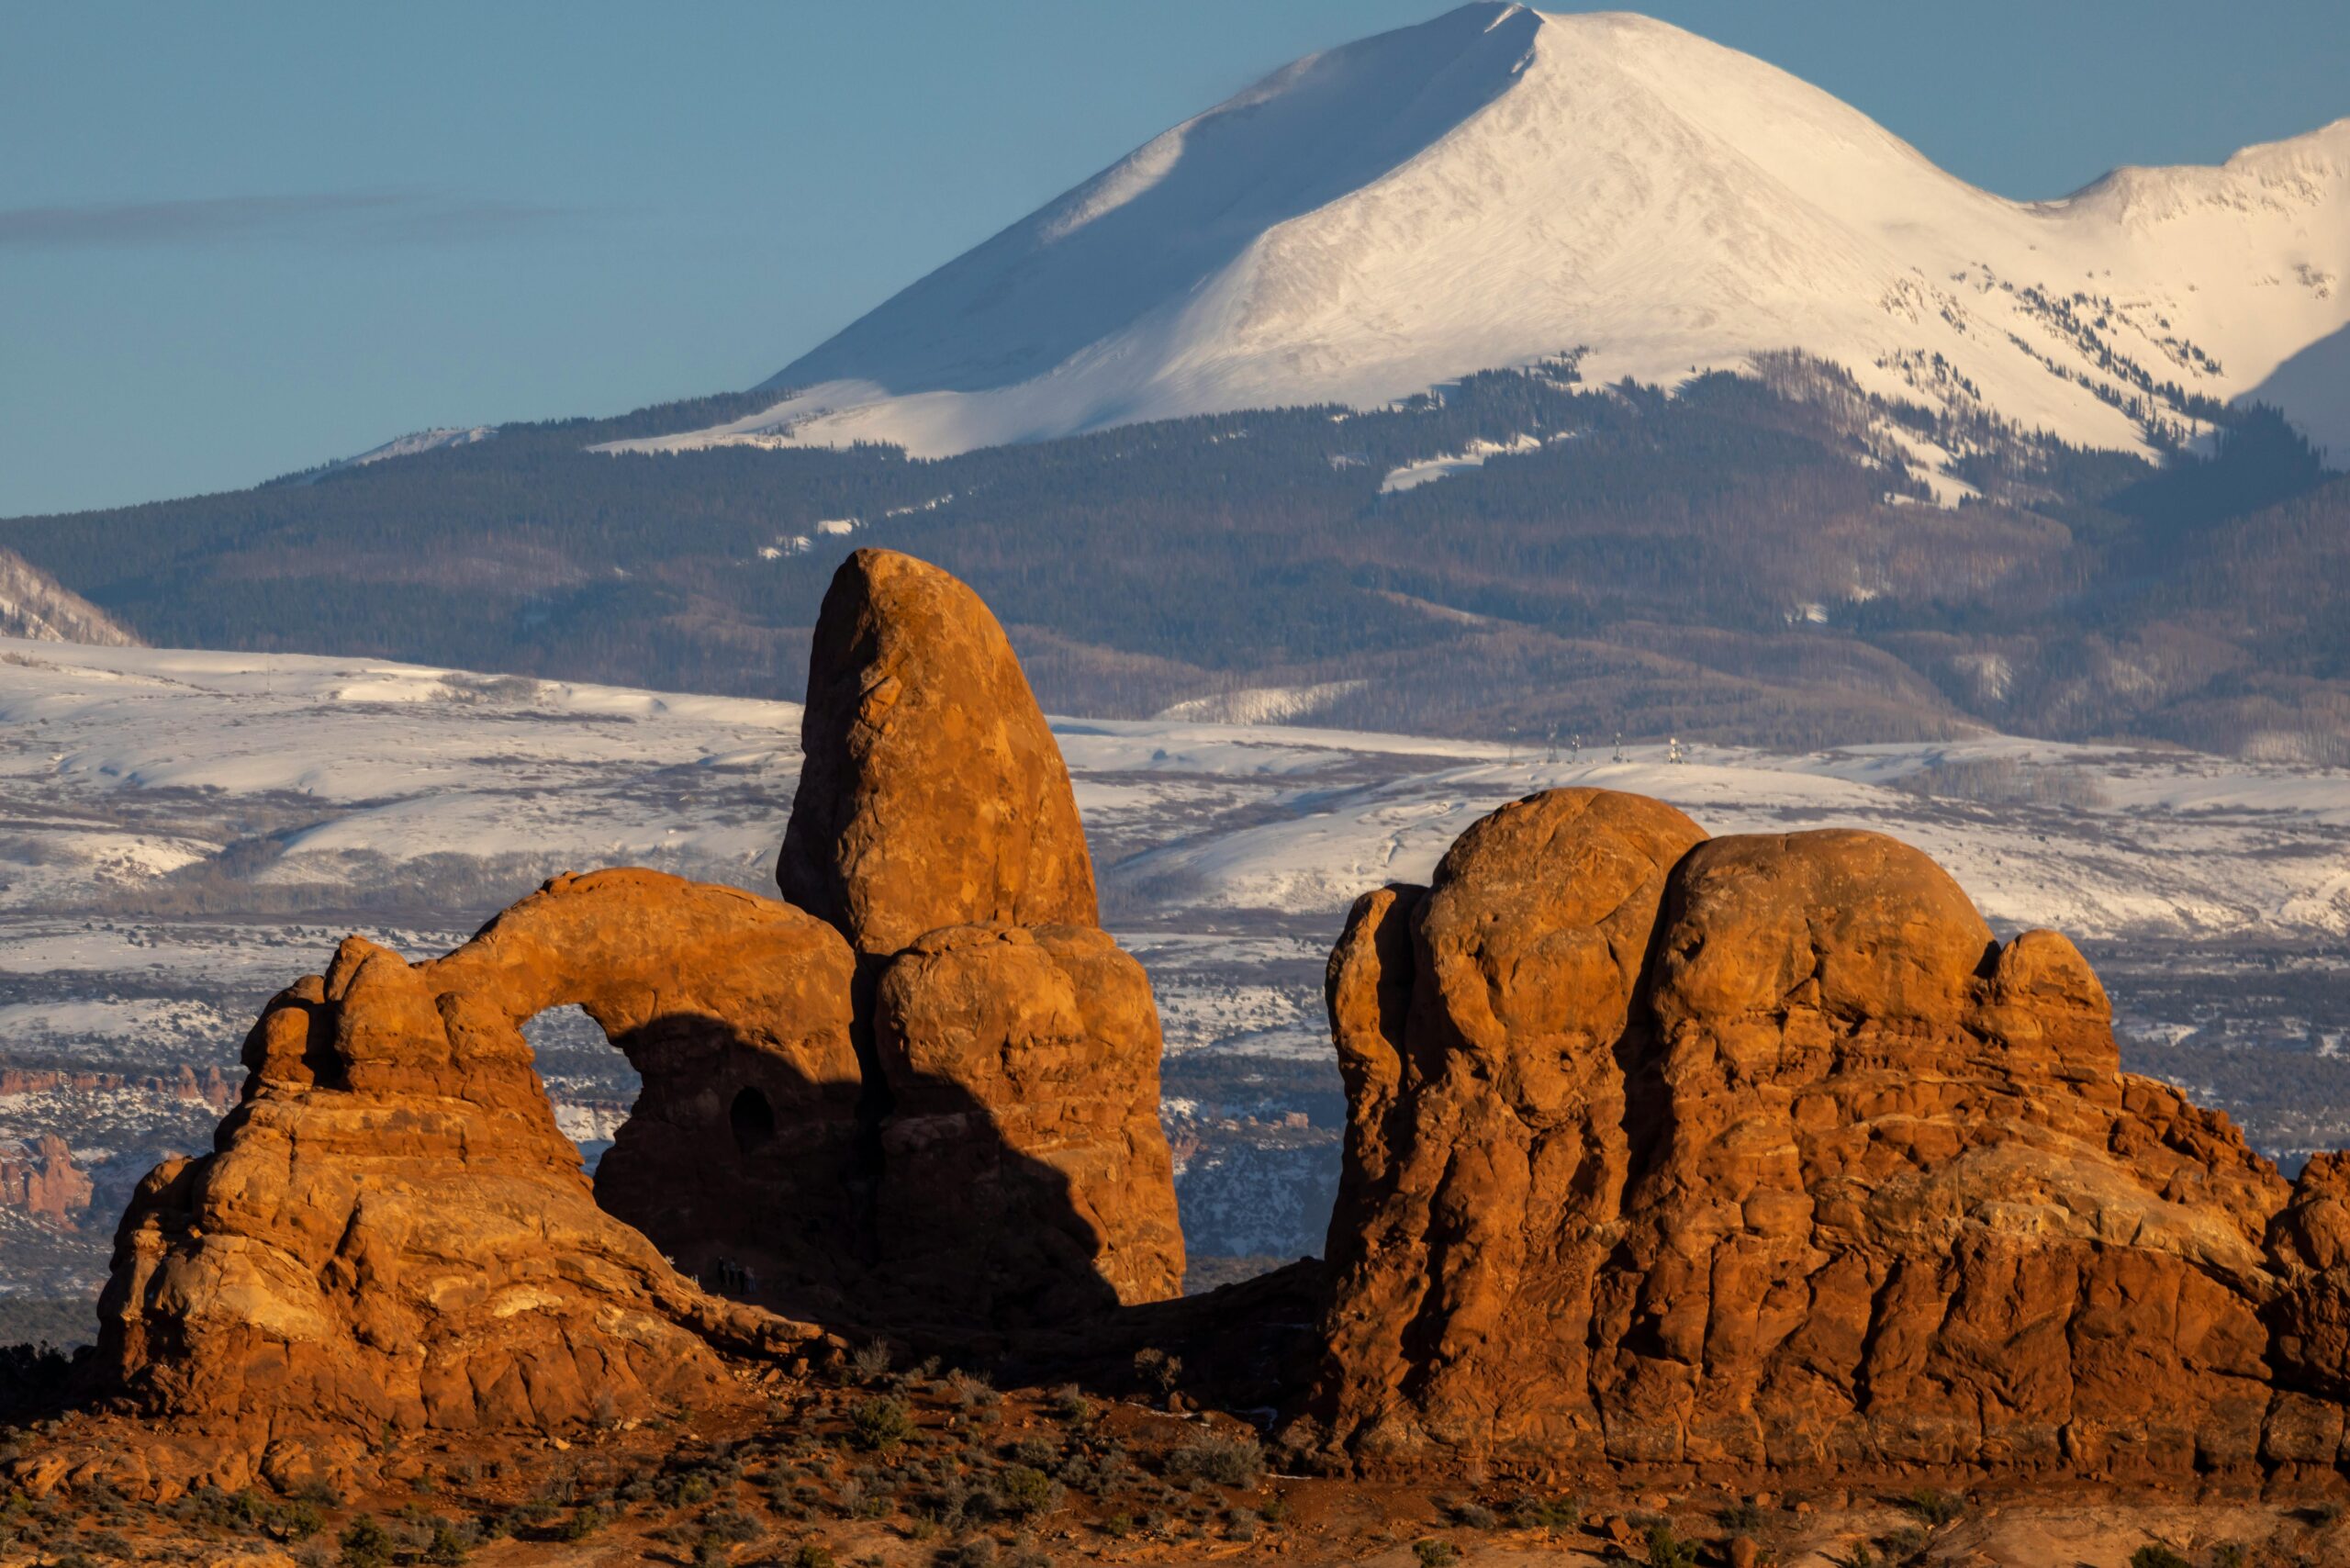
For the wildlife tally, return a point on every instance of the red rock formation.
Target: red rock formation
(391, 1229)
(1818, 1179)
(211, 1086)
(1901, 1205)
(1477, 1025)
(44, 1184)
(953, 1123)
(1022, 1173)
(735, 1011)
(1025, 1179)
(931, 792)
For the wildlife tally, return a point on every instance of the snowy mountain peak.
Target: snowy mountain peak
(1498, 185)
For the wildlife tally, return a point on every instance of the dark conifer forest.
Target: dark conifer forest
(1748, 559)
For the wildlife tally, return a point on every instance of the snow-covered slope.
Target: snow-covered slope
(34, 604)
(1499, 184)
(119, 765)
(434, 440)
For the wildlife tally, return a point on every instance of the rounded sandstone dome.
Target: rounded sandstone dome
(1538, 917)
(1852, 922)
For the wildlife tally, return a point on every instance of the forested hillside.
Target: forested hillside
(1749, 558)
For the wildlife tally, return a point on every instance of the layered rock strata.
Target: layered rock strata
(1761, 1155)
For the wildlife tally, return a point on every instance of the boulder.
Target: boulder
(931, 792)
(391, 1229)
(1025, 1178)
(1759, 1155)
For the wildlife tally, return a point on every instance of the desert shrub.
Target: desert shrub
(1072, 1407)
(1026, 1553)
(1158, 1370)
(584, 1523)
(1937, 1508)
(2155, 1556)
(1907, 1544)
(1024, 1491)
(1097, 1473)
(1038, 1453)
(366, 1543)
(242, 1512)
(880, 1423)
(729, 1524)
(290, 1521)
(1471, 1513)
(872, 1363)
(1532, 1510)
(1228, 1462)
(812, 1554)
(1434, 1553)
(1740, 1519)
(1667, 1550)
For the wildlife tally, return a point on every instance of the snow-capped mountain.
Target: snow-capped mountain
(1499, 184)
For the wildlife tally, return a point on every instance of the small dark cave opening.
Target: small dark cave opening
(752, 1119)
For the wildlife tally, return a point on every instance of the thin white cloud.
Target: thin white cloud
(352, 218)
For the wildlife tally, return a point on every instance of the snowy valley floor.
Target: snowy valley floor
(182, 834)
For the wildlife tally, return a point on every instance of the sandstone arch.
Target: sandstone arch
(711, 994)
(391, 1229)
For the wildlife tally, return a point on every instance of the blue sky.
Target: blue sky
(236, 240)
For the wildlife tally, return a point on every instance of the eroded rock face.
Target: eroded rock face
(44, 1182)
(1902, 1206)
(1021, 1177)
(931, 792)
(391, 1229)
(1478, 1024)
(1760, 1155)
(1025, 1177)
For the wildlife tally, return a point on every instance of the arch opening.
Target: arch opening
(592, 1085)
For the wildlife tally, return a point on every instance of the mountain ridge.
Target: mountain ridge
(1498, 185)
